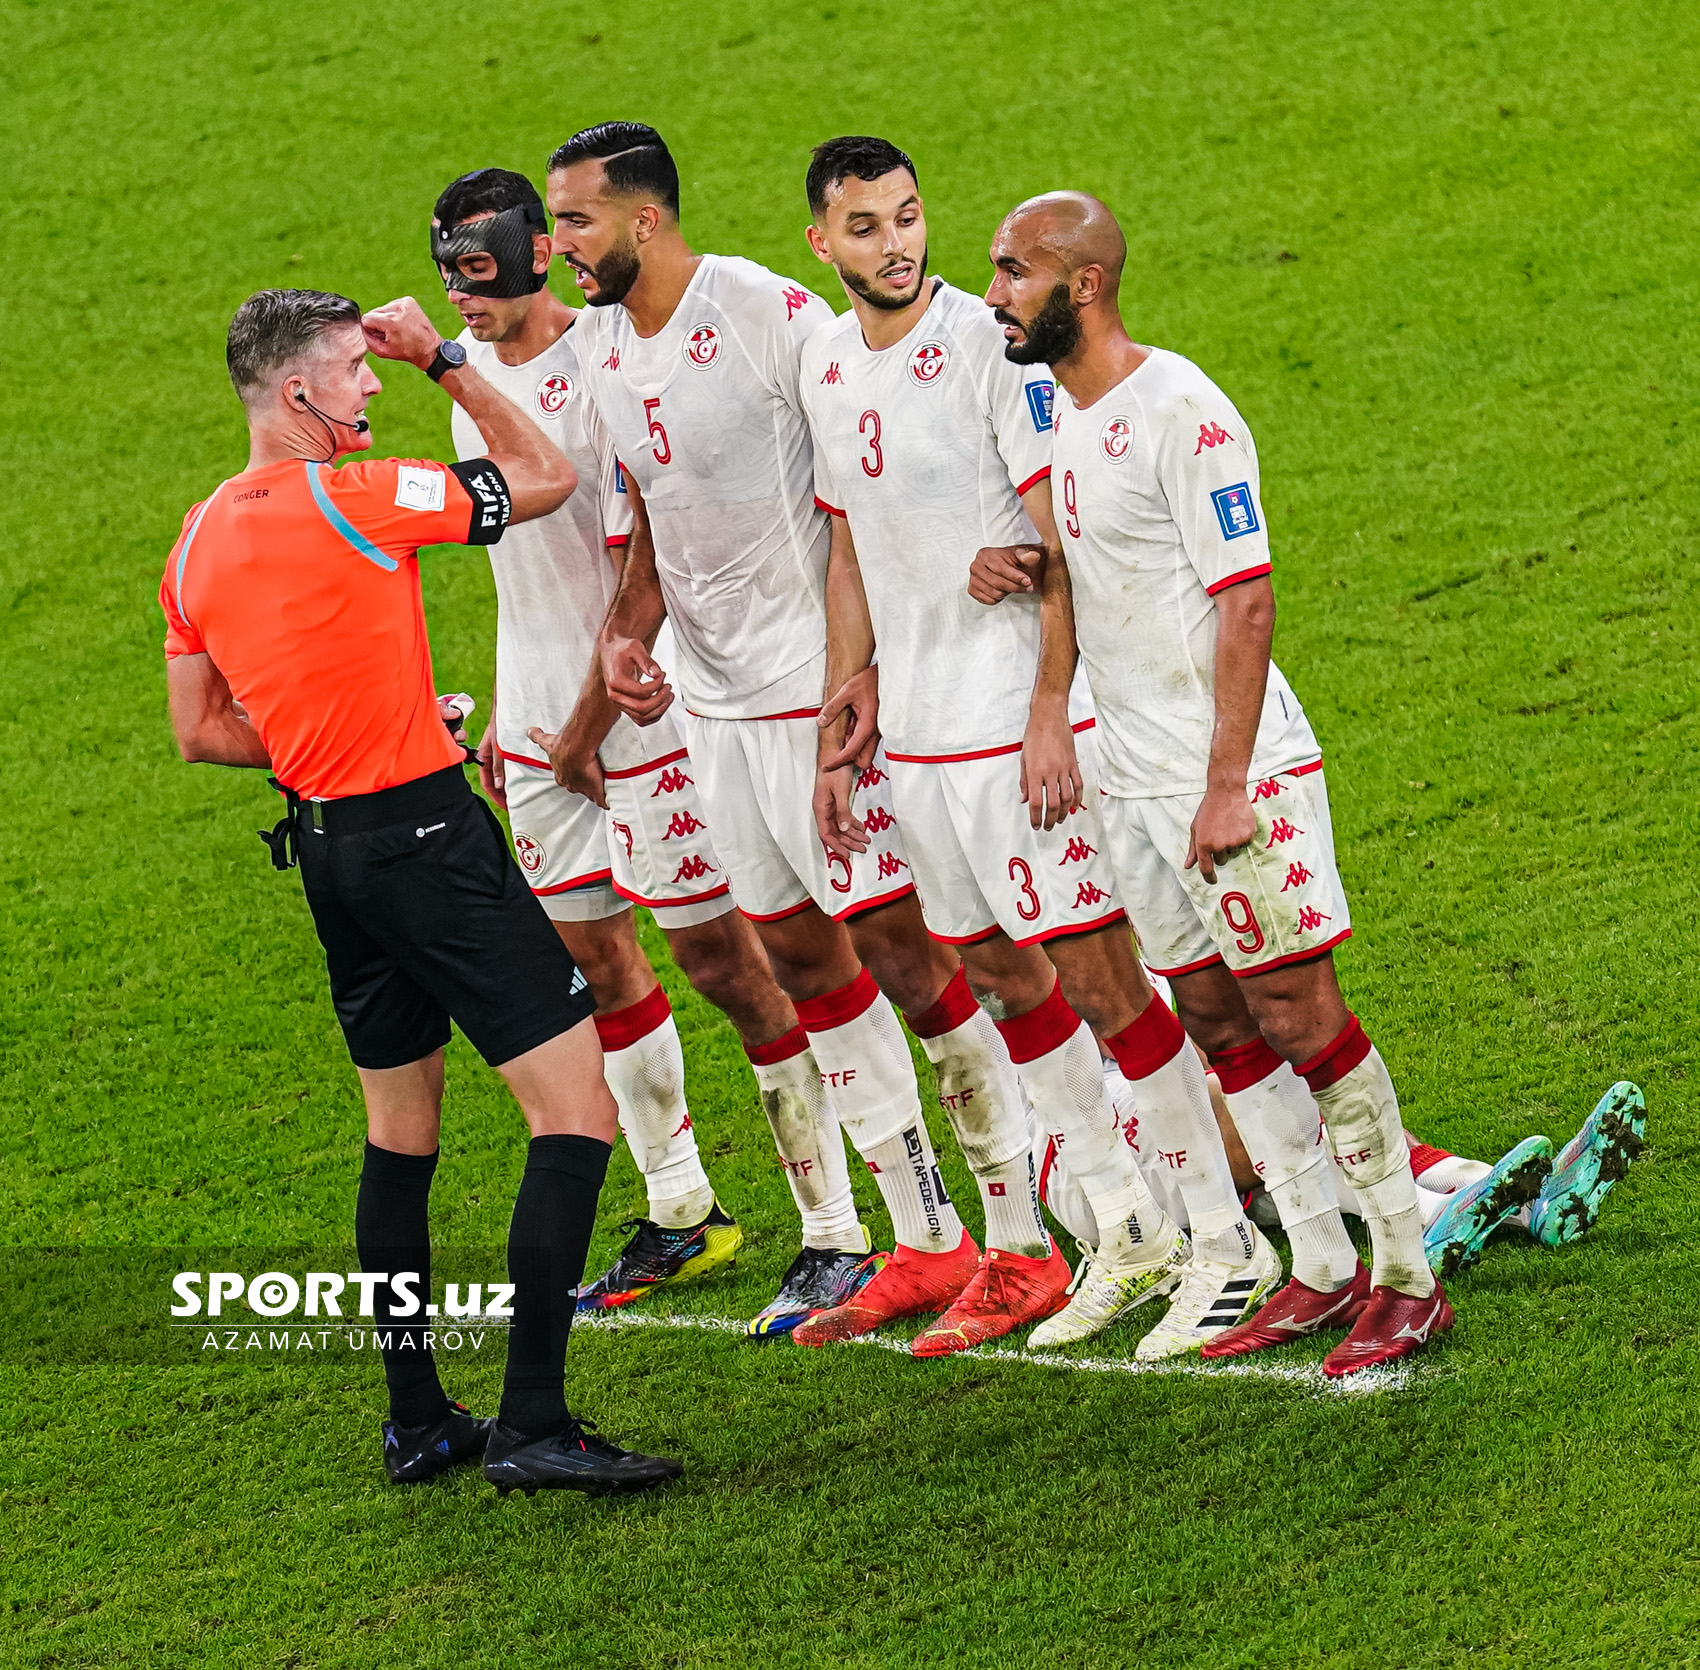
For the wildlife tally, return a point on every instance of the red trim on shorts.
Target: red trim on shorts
(1244, 1065)
(1042, 1029)
(1293, 957)
(954, 1005)
(839, 1008)
(648, 765)
(1189, 968)
(589, 880)
(1236, 579)
(1301, 770)
(1347, 1052)
(979, 754)
(1116, 915)
(619, 1029)
(760, 718)
(785, 1047)
(664, 904)
(830, 509)
(965, 939)
(615, 540)
(1424, 1155)
(525, 759)
(1086, 725)
(776, 915)
(1033, 480)
(850, 912)
(1151, 1042)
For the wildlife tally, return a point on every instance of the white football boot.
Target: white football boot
(1106, 1288)
(1213, 1294)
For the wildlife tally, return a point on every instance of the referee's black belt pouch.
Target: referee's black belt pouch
(360, 814)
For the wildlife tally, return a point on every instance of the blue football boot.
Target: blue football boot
(1588, 1165)
(1456, 1238)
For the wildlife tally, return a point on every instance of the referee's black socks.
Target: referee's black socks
(392, 1232)
(548, 1242)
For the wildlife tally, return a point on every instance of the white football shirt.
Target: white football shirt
(1156, 495)
(705, 415)
(926, 447)
(553, 576)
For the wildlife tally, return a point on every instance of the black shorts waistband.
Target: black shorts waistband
(361, 814)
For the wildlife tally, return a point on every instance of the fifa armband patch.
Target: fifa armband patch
(1236, 510)
(491, 504)
(1041, 397)
(417, 489)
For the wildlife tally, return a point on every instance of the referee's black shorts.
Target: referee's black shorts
(425, 917)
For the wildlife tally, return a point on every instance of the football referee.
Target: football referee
(295, 641)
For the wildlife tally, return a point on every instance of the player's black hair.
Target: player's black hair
(483, 191)
(275, 328)
(852, 156)
(635, 158)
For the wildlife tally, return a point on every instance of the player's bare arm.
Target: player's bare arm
(631, 676)
(849, 718)
(1051, 784)
(539, 478)
(1245, 629)
(999, 571)
(209, 728)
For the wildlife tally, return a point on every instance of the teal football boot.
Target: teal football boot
(1455, 1239)
(1588, 1165)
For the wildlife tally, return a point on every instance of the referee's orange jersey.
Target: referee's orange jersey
(302, 584)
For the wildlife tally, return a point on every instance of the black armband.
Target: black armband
(491, 504)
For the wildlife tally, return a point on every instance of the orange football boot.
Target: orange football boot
(912, 1284)
(1008, 1291)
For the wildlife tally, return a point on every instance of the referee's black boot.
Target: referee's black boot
(413, 1454)
(572, 1460)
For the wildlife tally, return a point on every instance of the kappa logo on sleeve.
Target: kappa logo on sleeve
(1236, 510)
(1041, 400)
(417, 489)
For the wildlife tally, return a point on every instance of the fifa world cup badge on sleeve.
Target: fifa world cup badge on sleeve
(1235, 510)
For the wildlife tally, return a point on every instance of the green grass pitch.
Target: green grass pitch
(1442, 254)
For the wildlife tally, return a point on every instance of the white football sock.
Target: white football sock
(865, 1061)
(981, 1096)
(1451, 1174)
(1278, 1122)
(1177, 1120)
(1361, 1109)
(1158, 1178)
(645, 1068)
(810, 1144)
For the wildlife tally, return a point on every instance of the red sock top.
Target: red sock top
(1346, 1052)
(1423, 1156)
(619, 1029)
(782, 1048)
(839, 1008)
(1040, 1030)
(1244, 1065)
(1153, 1041)
(954, 1006)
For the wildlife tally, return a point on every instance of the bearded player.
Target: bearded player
(929, 445)
(693, 364)
(605, 814)
(1215, 808)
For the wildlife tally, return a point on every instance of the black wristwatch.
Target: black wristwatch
(451, 356)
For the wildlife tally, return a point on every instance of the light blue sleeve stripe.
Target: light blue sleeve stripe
(189, 539)
(342, 525)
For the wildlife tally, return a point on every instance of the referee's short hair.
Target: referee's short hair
(275, 329)
(635, 159)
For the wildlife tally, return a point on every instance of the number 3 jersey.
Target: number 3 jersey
(1156, 492)
(553, 576)
(926, 448)
(705, 417)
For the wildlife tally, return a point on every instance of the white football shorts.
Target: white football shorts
(979, 863)
(1278, 901)
(651, 847)
(757, 782)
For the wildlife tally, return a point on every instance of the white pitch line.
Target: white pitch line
(1307, 1377)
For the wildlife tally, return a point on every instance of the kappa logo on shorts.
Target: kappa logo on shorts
(1266, 790)
(670, 782)
(529, 851)
(869, 779)
(417, 489)
(553, 393)
(1041, 400)
(1076, 852)
(683, 823)
(1089, 893)
(702, 346)
(1235, 510)
(1310, 918)
(889, 865)
(927, 363)
(695, 868)
(878, 821)
(624, 831)
(1297, 876)
(1281, 831)
(1115, 439)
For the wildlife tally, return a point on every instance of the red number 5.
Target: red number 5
(659, 445)
(1021, 872)
(875, 461)
(1071, 504)
(1242, 922)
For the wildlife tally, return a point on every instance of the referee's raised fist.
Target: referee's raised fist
(399, 330)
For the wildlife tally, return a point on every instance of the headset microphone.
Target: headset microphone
(359, 425)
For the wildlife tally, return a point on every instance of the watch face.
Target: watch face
(453, 352)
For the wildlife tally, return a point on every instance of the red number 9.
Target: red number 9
(1242, 923)
(1071, 504)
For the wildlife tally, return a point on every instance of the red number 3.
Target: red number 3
(875, 461)
(1020, 872)
(1071, 504)
(1243, 923)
